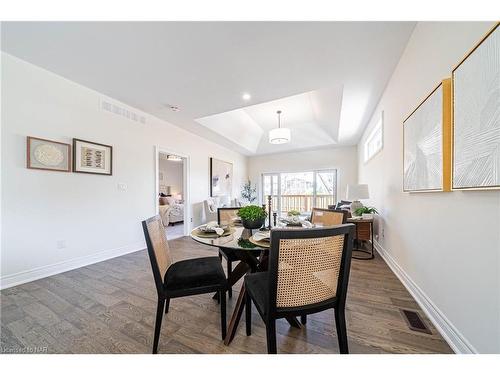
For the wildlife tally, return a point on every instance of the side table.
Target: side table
(364, 232)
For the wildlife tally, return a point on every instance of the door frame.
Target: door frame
(185, 188)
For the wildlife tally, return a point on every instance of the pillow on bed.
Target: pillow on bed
(170, 201)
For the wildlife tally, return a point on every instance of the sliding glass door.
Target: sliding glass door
(300, 191)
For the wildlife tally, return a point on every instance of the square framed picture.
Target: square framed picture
(48, 155)
(92, 157)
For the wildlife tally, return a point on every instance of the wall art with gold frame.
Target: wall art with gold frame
(427, 143)
(476, 116)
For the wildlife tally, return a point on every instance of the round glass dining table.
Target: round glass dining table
(253, 256)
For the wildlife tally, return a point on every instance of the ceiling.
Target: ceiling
(326, 77)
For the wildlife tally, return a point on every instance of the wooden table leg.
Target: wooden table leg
(236, 316)
(239, 271)
(294, 322)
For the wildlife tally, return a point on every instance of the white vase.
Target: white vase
(367, 216)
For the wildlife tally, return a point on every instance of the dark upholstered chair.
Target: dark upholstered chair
(339, 205)
(180, 279)
(308, 273)
(226, 216)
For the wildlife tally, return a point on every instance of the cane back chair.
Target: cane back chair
(308, 273)
(183, 278)
(227, 216)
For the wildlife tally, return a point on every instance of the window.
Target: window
(300, 191)
(375, 141)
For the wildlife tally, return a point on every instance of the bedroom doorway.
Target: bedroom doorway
(172, 192)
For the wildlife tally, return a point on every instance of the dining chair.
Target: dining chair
(226, 216)
(308, 273)
(328, 217)
(180, 279)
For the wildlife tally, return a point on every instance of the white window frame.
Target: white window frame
(377, 129)
(314, 171)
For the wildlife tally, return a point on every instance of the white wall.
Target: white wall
(87, 212)
(446, 244)
(344, 159)
(172, 173)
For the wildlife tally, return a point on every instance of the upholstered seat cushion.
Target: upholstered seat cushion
(193, 276)
(257, 285)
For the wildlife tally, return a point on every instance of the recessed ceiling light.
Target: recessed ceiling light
(246, 96)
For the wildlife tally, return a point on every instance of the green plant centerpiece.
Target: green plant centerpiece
(252, 217)
(293, 213)
(366, 212)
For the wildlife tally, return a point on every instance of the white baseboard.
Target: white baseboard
(22, 277)
(450, 333)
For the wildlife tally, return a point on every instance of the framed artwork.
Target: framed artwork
(221, 178)
(91, 157)
(476, 116)
(48, 155)
(427, 143)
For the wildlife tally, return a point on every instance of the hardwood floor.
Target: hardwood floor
(109, 307)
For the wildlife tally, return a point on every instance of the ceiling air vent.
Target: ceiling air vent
(121, 111)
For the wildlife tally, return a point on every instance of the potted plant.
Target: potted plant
(252, 217)
(366, 212)
(293, 213)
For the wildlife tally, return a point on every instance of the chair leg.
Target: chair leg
(229, 271)
(159, 317)
(167, 305)
(248, 314)
(341, 330)
(222, 298)
(271, 336)
(303, 319)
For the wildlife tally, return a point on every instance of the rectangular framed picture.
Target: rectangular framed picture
(48, 155)
(476, 116)
(221, 178)
(91, 157)
(427, 143)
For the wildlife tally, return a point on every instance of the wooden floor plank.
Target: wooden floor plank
(110, 307)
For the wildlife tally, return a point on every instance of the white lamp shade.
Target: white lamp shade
(279, 135)
(357, 192)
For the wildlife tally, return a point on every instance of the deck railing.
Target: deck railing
(302, 203)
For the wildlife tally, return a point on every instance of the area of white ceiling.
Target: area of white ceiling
(313, 118)
(326, 76)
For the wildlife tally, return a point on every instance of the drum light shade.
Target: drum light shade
(279, 136)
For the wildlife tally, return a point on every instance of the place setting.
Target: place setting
(212, 230)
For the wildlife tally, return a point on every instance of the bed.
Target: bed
(171, 212)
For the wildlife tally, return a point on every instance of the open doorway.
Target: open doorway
(172, 199)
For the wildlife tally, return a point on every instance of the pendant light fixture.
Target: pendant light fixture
(279, 135)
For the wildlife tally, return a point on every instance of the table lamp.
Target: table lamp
(355, 193)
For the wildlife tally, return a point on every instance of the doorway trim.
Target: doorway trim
(185, 188)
